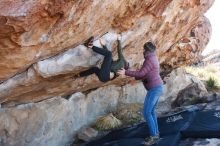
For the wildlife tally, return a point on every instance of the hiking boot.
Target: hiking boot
(151, 140)
(89, 42)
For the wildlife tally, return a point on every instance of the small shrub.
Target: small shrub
(194, 100)
(212, 83)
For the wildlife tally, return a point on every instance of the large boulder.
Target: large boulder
(34, 36)
(55, 121)
(174, 83)
(194, 93)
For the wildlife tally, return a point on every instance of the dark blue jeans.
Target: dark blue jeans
(150, 103)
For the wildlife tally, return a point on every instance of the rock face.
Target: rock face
(175, 82)
(87, 133)
(192, 94)
(55, 121)
(33, 32)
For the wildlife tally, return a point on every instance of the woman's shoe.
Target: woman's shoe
(89, 42)
(151, 140)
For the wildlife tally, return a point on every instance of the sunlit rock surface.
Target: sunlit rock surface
(34, 36)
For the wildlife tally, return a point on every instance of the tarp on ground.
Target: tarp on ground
(175, 123)
(171, 140)
(202, 124)
(206, 124)
(136, 131)
(168, 126)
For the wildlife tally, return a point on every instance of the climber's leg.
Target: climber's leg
(150, 103)
(103, 51)
(90, 71)
(106, 67)
(104, 72)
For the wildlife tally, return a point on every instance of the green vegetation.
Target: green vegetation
(212, 83)
(210, 75)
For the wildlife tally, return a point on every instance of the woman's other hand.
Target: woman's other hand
(121, 71)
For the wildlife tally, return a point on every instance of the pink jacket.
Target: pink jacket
(149, 72)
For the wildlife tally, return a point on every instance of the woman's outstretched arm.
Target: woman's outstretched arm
(140, 74)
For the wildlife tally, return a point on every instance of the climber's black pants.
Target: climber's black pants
(104, 72)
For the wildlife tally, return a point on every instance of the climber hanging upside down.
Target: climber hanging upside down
(109, 68)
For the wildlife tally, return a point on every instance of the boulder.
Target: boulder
(192, 94)
(86, 133)
(56, 121)
(174, 82)
(41, 41)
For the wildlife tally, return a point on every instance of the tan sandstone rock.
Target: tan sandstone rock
(33, 32)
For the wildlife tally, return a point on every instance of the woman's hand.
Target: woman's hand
(121, 71)
(90, 45)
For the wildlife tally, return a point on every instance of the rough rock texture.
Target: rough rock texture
(87, 133)
(31, 31)
(55, 121)
(187, 49)
(176, 81)
(194, 93)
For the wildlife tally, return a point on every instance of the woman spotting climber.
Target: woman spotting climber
(149, 74)
(109, 68)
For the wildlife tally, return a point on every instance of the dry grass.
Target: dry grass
(130, 113)
(209, 74)
(107, 122)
